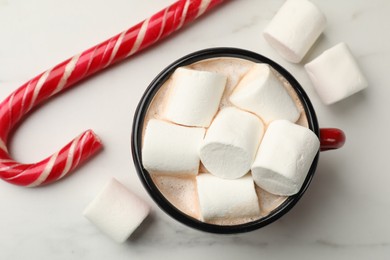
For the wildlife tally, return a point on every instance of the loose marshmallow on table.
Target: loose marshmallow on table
(221, 198)
(294, 29)
(170, 148)
(194, 97)
(336, 74)
(116, 211)
(262, 93)
(230, 144)
(284, 157)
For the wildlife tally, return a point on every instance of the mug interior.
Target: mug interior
(136, 141)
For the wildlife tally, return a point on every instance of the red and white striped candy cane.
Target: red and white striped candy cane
(69, 72)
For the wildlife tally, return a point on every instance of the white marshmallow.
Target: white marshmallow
(194, 97)
(336, 74)
(116, 211)
(231, 141)
(294, 29)
(221, 198)
(262, 93)
(171, 149)
(284, 157)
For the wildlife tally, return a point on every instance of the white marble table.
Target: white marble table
(343, 215)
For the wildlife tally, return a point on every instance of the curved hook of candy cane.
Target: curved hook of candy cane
(20, 103)
(71, 71)
(52, 168)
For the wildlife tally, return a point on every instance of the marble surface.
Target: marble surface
(343, 215)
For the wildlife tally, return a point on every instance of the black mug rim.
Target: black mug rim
(136, 141)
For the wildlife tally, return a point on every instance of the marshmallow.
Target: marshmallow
(262, 93)
(231, 142)
(116, 211)
(171, 149)
(221, 198)
(284, 157)
(194, 97)
(336, 74)
(294, 29)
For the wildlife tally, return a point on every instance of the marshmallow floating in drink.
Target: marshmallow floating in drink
(336, 74)
(170, 148)
(230, 144)
(221, 189)
(284, 157)
(294, 29)
(262, 93)
(116, 211)
(194, 97)
(220, 198)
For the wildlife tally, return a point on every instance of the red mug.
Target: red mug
(330, 139)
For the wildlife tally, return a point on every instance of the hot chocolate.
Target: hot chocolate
(181, 191)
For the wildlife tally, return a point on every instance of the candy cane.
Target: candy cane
(69, 72)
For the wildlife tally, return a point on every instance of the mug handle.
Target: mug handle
(331, 138)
